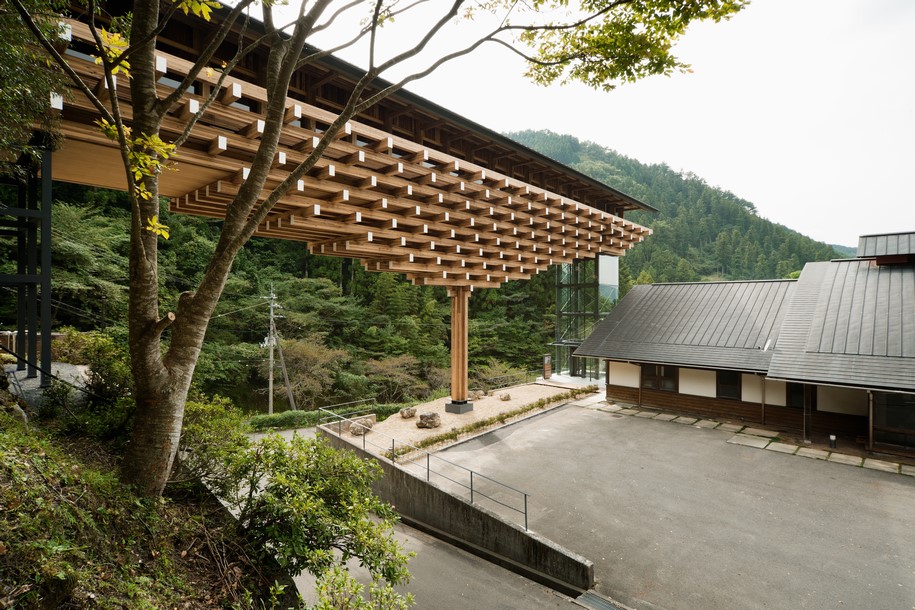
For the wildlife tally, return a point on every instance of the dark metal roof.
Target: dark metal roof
(722, 325)
(889, 244)
(850, 323)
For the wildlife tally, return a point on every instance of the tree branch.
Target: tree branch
(60, 61)
(203, 61)
(163, 323)
(330, 21)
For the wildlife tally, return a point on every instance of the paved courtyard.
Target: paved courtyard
(674, 516)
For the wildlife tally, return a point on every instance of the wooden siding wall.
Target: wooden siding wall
(781, 418)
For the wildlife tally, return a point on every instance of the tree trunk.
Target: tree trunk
(156, 432)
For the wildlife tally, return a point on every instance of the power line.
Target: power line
(228, 313)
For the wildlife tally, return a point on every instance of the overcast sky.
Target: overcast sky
(806, 108)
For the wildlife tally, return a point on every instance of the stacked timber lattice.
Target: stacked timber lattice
(393, 204)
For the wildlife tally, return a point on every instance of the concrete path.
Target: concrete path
(674, 516)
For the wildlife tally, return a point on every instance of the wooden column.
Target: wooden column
(460, 295)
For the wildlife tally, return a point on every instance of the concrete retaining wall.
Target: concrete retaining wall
(475, 529)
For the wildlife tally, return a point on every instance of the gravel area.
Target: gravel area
(405, 430)
(29, 388)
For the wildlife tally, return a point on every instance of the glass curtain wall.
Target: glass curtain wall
(585, 292)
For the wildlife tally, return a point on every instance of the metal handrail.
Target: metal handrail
(390, 452)
(506, 380)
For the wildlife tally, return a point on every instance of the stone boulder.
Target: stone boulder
(429, 420)
(504, 397)
(408, 412)
(361, 426)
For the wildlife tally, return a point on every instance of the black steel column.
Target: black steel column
(32, 287)
(46, 267)
(21, 269)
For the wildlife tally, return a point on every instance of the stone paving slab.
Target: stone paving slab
(707, 423)
(908, 470)
(841, 458)
(608, 408)
(809, 452)
(666, 416)
(685, 420)
(782, 447)
(646, 414)
(760, 432)
(749, 441)
(629, 411)
(592, 399)
(881, 465)
(731, 427)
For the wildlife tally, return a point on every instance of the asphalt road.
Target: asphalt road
(674, 517)
(447, 578)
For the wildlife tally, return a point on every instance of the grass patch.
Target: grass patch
(72, 536)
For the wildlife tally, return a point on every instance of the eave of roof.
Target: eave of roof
(341, 66)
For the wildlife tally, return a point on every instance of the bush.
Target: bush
(71, 535)
(213, 437)
(495, 374)
(104, 410)
(307, 419)
(303, 501)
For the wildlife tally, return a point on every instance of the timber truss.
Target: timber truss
(392, 203)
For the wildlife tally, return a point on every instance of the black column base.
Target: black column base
(459, 406)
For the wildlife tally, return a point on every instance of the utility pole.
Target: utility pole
(271, 339)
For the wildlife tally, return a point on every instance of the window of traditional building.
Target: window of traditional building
(659, 377)
(795, 397)
(729, 384)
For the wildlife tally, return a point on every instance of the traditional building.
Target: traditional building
(830, 353)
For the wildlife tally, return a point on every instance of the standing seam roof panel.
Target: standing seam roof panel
(908, 321)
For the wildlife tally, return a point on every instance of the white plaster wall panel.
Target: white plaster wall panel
(751, 388)
(624, 374)
(698, 382)
(776, 393)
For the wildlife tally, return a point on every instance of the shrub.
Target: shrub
(213, 438)
(307, 419)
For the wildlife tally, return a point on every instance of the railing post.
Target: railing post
(471, 487)
(525, 512)
(393, 455)
(427, 466)
(363, 441)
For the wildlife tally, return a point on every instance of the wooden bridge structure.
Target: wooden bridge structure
(408, 187)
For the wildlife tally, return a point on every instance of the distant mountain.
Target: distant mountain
(845, 251)
(700, 233)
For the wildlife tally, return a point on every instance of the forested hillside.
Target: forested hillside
(348, 334)
(701, 232)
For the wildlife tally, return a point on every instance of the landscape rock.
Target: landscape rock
(362, 425)
(408, 412)
(505, 396)
(429, 420)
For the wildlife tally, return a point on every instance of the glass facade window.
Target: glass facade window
(585, 293)
(729, 385)
(659, 377)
